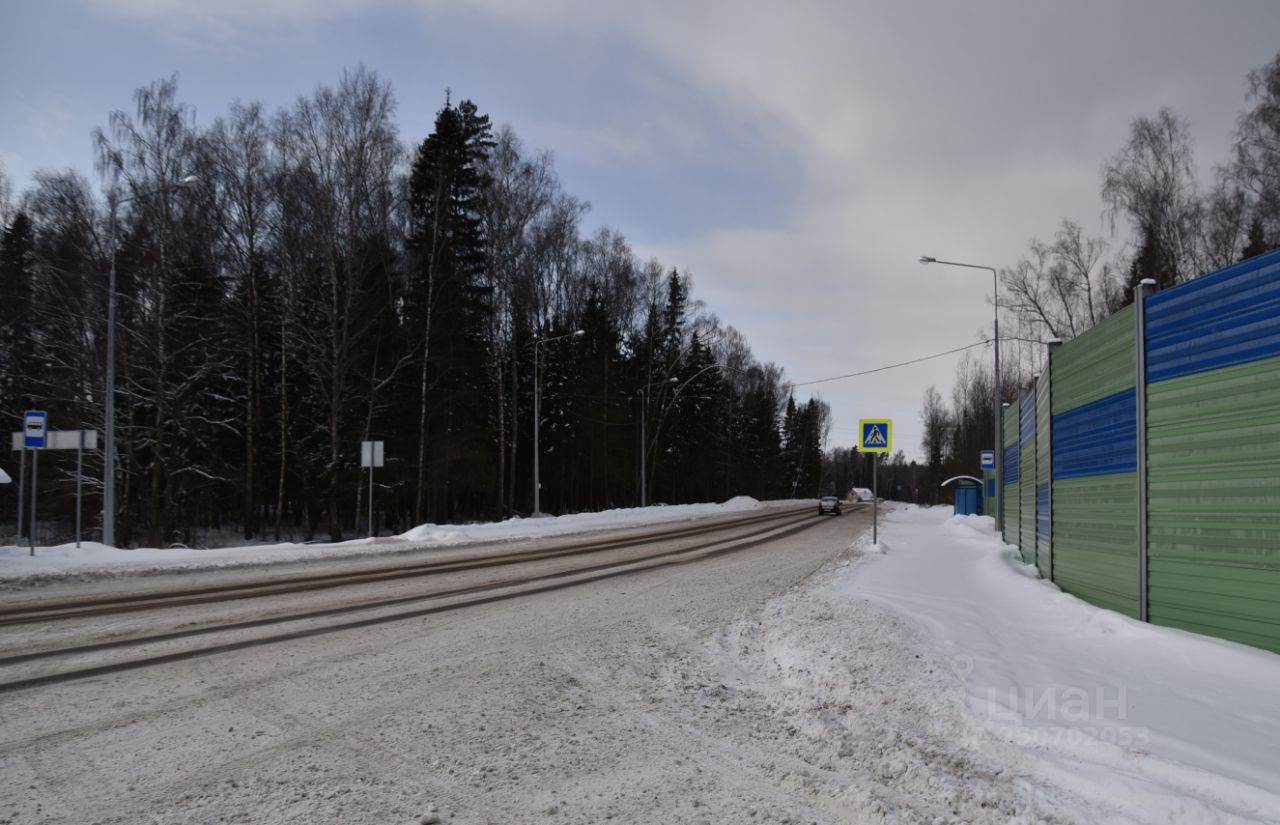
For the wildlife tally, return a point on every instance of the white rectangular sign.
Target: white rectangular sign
(370, 453)
(62, 440)
(70, 439)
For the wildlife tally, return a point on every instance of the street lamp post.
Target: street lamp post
(644, 442)
(997, 447)
(675, 395)
(537, 411)
(109, 415)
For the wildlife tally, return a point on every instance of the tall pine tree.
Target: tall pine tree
(449, 306)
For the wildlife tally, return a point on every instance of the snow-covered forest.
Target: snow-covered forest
(291, 284)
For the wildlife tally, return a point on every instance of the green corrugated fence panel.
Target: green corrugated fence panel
(1095, 539)
(1213, 502)
(1010, 515)
(1095, 519)
(1043, 542)
(1099, 363)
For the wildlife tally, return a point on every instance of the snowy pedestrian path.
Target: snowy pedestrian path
(1136, 722)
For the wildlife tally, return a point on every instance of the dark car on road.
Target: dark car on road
(829, 504)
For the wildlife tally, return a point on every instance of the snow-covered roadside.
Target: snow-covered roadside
(952, 680)
(93, 560)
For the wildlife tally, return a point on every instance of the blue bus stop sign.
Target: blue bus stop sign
(988, 459)
(34, 429)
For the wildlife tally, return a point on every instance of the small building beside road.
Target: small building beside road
(968, 495)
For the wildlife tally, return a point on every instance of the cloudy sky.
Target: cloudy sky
(795, 158)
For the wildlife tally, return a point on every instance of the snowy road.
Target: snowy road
(74, 631)
(489, 712)
(803, 680)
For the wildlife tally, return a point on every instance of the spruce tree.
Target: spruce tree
(1256, 243)
(450, 303)
(17, 367)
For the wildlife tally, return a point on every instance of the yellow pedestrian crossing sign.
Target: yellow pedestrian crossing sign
(875, 435)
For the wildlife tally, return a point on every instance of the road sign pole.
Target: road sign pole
(22, 493)
(875, 436)
(79, 483)
(37, 437)
(35, 431)
(35, 474)
(371, 455)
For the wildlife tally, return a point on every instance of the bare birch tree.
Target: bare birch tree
(1151, 181)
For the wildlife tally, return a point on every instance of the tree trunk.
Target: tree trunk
(336, 319)
(419, 491)
(157, 492)
(251, 407)
(433, 255)
(284, 422)
(515, 425)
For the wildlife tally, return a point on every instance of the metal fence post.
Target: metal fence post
(1144, 288)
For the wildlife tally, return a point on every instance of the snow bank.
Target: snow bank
(527, 528)
(93, 560)
(1161, 724)
(934, 678)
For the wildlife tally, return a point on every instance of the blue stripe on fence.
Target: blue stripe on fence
(1231, 316)
(1027, 420)
(1042, 511)
(1099, 438)
(1009, 469)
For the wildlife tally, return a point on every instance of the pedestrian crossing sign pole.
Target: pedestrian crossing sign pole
(875, 436)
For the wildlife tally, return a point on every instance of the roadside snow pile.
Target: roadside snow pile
(94, 560)
(529, 528)
(953, 683)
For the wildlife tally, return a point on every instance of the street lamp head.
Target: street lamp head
(189, 180)
(925, 259)
(579, 333)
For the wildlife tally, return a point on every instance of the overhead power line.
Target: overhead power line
(892, 366)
